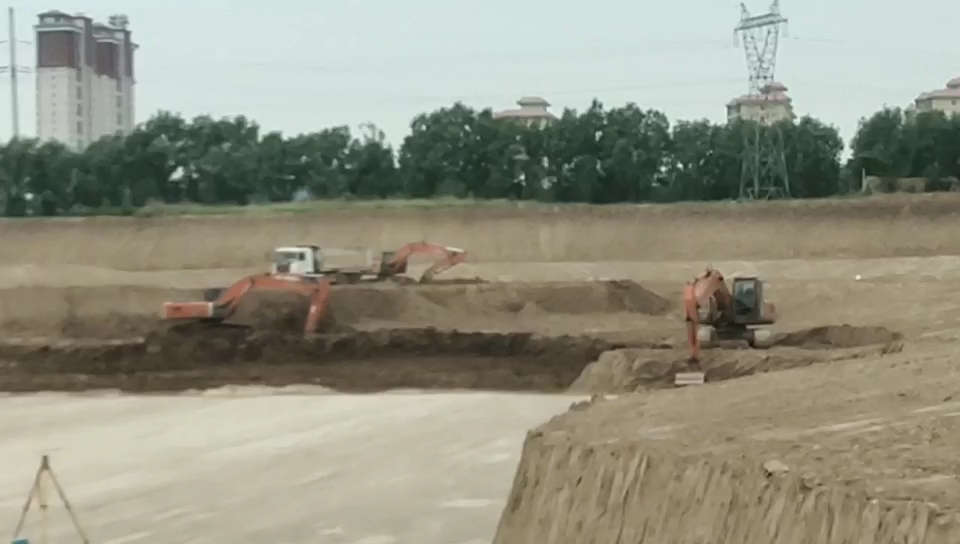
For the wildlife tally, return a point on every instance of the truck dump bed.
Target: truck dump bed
(356, 260)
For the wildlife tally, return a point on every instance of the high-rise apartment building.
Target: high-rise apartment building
(85, 83)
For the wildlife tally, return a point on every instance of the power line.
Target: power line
(625, 50)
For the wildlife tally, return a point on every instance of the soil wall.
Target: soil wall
(613, 493)
(896, 225)
(118, 311)
(107, 311)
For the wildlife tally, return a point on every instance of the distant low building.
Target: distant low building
(946, 100)
(533, 110)
(768, 107)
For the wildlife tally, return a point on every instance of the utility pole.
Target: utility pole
(764, 168)
(14, 69)
(14, 80)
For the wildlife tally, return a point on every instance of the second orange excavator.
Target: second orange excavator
(713, 311)
(220, 305)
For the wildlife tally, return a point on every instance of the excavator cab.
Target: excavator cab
(748, 303)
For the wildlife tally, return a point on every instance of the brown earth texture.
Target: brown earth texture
(843, 431)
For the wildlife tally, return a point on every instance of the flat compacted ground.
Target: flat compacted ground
(251, 466)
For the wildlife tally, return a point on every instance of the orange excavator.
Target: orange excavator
(311, 271)
(220, 304)
(353, 265)
(713, 311)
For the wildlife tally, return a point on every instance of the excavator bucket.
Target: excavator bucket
(187, 310)
(689, 378)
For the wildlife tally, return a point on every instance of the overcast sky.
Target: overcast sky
(299, 65)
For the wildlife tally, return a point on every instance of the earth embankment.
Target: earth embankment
(889, 226)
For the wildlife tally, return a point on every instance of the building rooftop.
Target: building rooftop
(531, 107)
(771, 93)
(952, 90)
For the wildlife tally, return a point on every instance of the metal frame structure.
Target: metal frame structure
(764, 167)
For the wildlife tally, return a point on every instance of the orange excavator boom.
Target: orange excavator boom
(316, 289)
(702, 297)
(397, 263)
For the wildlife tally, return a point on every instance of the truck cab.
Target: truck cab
(302, 260)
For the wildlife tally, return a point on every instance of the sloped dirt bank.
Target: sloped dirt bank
(357, 361)
(848, 454)
(633, 369)
(614, 493)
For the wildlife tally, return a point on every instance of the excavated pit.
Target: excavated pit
(637, 369)
(199, 357)
(263, 342)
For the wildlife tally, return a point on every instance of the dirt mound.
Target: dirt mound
(630, 370)
(352, 304)
(271, 310)
(200, 356)
(842, 336)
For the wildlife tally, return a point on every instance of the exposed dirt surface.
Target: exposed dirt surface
(894, 226)
(863, 417)
(843, 336)
(105, 312)
(206, 356)
(634, 369)
(351, 304)
(861, 450)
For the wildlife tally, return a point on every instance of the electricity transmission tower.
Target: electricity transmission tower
(13, 69)
(764, 168)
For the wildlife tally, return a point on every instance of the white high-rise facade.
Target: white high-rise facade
(85, 83)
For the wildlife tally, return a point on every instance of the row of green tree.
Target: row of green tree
(600, 155)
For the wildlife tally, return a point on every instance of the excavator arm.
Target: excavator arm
(705, 300)
(450, 257)
(316, 289)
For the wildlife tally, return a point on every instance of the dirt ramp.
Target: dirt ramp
(616, 492)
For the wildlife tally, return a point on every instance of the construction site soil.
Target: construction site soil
(837, 433)
(881, 226)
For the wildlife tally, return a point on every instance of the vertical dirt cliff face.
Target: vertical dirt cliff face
(567, 491)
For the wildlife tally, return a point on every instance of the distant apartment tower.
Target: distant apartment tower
(768, 107)
(85, 83)
(532, 111)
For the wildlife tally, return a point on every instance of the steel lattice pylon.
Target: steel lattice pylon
(764, 169)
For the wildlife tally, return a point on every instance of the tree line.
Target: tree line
(599, 155)
(896, 143)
